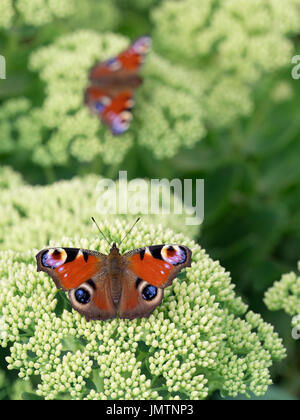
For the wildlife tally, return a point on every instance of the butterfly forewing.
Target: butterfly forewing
(159, 264)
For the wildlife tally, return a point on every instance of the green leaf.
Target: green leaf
(30, 396)
(13, 85)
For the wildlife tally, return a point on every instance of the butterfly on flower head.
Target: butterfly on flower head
(101, 287)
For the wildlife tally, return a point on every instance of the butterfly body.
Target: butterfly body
(104, 286)
(112, 84)
(111, 93)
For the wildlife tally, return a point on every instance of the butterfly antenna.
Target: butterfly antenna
(130, 229)
(101, 231)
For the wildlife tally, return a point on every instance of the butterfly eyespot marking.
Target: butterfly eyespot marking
(99, 106)
(174, 254)
(121, 122)
(53, 258)
(149, 292)
(142, 45)
(82, 296)
(114, 64)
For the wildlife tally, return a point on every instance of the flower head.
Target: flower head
(200, 339)
(34, 12)
(10, 179)
(233, 44)
(32, 216)
(285, 294)
(7, 13)
(167, 116)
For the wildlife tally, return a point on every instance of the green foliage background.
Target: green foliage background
(218, 103)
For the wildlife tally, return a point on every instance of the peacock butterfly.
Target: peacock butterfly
(101, 286)
(111, 93)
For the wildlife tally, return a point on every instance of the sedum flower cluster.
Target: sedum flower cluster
(204, 70)
(34, 12)
(32, 215)
(233, 44)
(167, 116)
(7, 13)
(199, 340)
(40, 12)
(9, 179)
(285, 294)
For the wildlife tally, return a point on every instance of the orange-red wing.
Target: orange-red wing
(69, 267)
(128, 60)
(150, 269)
(158, 265)
(114, 111)
(118, 104)
(95, 94)
(132, 305)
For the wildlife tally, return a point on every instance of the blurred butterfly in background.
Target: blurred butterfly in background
(113, 82)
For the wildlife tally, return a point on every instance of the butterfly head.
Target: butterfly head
(114, 249)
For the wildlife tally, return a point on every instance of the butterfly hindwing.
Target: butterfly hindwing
(114, 111)
(83, 274)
